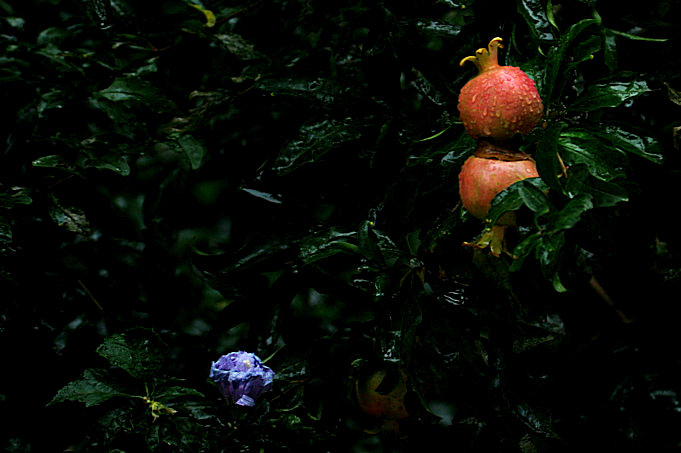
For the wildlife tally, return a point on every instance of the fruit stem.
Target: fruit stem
(485, 59)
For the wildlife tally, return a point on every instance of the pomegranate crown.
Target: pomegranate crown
(485, 59)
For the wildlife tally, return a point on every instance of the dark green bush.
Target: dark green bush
(181, 179)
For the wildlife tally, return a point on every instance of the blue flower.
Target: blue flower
(241, 377)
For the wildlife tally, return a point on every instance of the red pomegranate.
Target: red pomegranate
(386, 408)
(501, 100)
(490, 170)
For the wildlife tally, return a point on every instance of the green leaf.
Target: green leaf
(72, 218)
(640, 145)
(168, 394)
(313, 142)
(326, 244)
(534, 198)
(124, 89)
(673, 95)
(548, 165)
(582, 146)
(140, 352)
(458, 151)
(113, 161)
(193, 149)
(572, 212)
(524, 248)
(609, 49)
(210, 16)
(547, 242)
(238, 46)
(528, 190)
(5, 234)
(13, 196)
(604, 194)
(635, 37)
(52, 35)
(368, 243)
(52, 161)
(585, 50)
(316, 89)
(95, 387)
(548, 253)
(558, 284)
(611, 94)
(534, 13)
(556, 61)
(270, 198)
(436, 135)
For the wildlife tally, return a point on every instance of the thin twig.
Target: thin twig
(607, 299)
(90, 295)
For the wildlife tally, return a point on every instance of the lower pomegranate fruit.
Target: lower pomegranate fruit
(387, 408)
(487, 172)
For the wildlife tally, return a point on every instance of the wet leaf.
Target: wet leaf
(314, 141)
(13, 196)
(140, 352)
(5, 234)
(238, 46)
(326, 244)
(530, 190)
(556, 61)
(115, 162)
(609, 50)
(368, 242)
(210, 16)
(125, 89)
(166, 395)
(581, 146)
(610, 94)
(262, 195)
(71, 218)
(571, 213)
(548, 253)
(314, 89)
(192, 149)
(534, 13)
(52, 161)
(536, 419)
(549, 166)
(95, 387)
(604, 194)
(674, 95)
(534, 198)
(640, 145)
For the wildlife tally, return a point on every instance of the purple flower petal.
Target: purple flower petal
(241, 377)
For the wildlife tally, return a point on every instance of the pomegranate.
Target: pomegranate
(501, 100)
(490, 170)
(386, 408)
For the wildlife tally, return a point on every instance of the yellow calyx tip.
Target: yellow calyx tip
(495, 42)
(485, 58)
(464, 60)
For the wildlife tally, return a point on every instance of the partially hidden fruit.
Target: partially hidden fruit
(490, 170)
(386, 405)
(500, 101)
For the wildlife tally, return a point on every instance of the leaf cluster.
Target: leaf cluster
(181, 179)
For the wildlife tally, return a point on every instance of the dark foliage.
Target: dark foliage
(180, 179)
